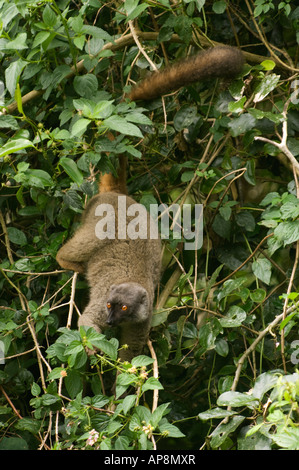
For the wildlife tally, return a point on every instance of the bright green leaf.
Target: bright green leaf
(119, 124)
(72, 170)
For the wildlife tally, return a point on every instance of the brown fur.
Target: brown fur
(119, 270)
(109, 262)
(222, 61)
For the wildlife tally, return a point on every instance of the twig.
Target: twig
(7, 243)
(127, 40)
(168, 288)
(282, 145)
(265, 42)
(10, 403)
(155, 374)
(71, 302)
(255, 343)
(138, 44)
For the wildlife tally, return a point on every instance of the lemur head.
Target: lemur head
(127, 303)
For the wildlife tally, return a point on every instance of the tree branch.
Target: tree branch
(128, 40)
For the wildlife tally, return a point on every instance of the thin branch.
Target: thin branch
(128, 40)
(155, 374)
(10, 403)
(7, 243)
(138, 44)
(71, 302)
(255, 343)
(282, 145)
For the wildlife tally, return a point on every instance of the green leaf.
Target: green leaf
(263, 384)
(94, 46)
(234, 317)
(221, 347)
(56, 373)
(74, 383)
(80, 127)
(258, 295)
(40, 38)
(287, 232)
(35, 389)
(136, 11)
(86, 85)
(158, 414)
(242, 124)
(18, 98)
(222, 227)
(222, 432)
(152, 384)
(237, 106)
(265, 87)
(262, 268)
(128, 402)
(268, 64)
(184, 117)
(74, 347)
(14, 146)
(12, 74)
(141, 361)
(16, 236)
(49, 399)
(13, 443)
(107, 347)
(19, 43)
(250, 438)
(28, 424)
(60, 73)
(245, 220)
(170, 430)
(119, 124)
(287, 438)
(39, 178)
(215, 413)
(219, 7)
(9, 122)
(290, 210)
(138, 118)
(49, 17)
(72, 170)
(237, 399)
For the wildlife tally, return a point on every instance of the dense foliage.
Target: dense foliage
(220, 368)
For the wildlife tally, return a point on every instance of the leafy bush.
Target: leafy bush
(219, 370)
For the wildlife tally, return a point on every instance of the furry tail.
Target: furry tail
(109, 182)
(221, 61)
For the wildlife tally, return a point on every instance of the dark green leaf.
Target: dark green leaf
(16, 236)
(242, 124)
(262, 268)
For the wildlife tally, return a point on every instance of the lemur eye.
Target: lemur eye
(108, 305)
(124, 307)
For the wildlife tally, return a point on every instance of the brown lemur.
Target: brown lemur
(122, 272)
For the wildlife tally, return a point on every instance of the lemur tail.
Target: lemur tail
(220, 61)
